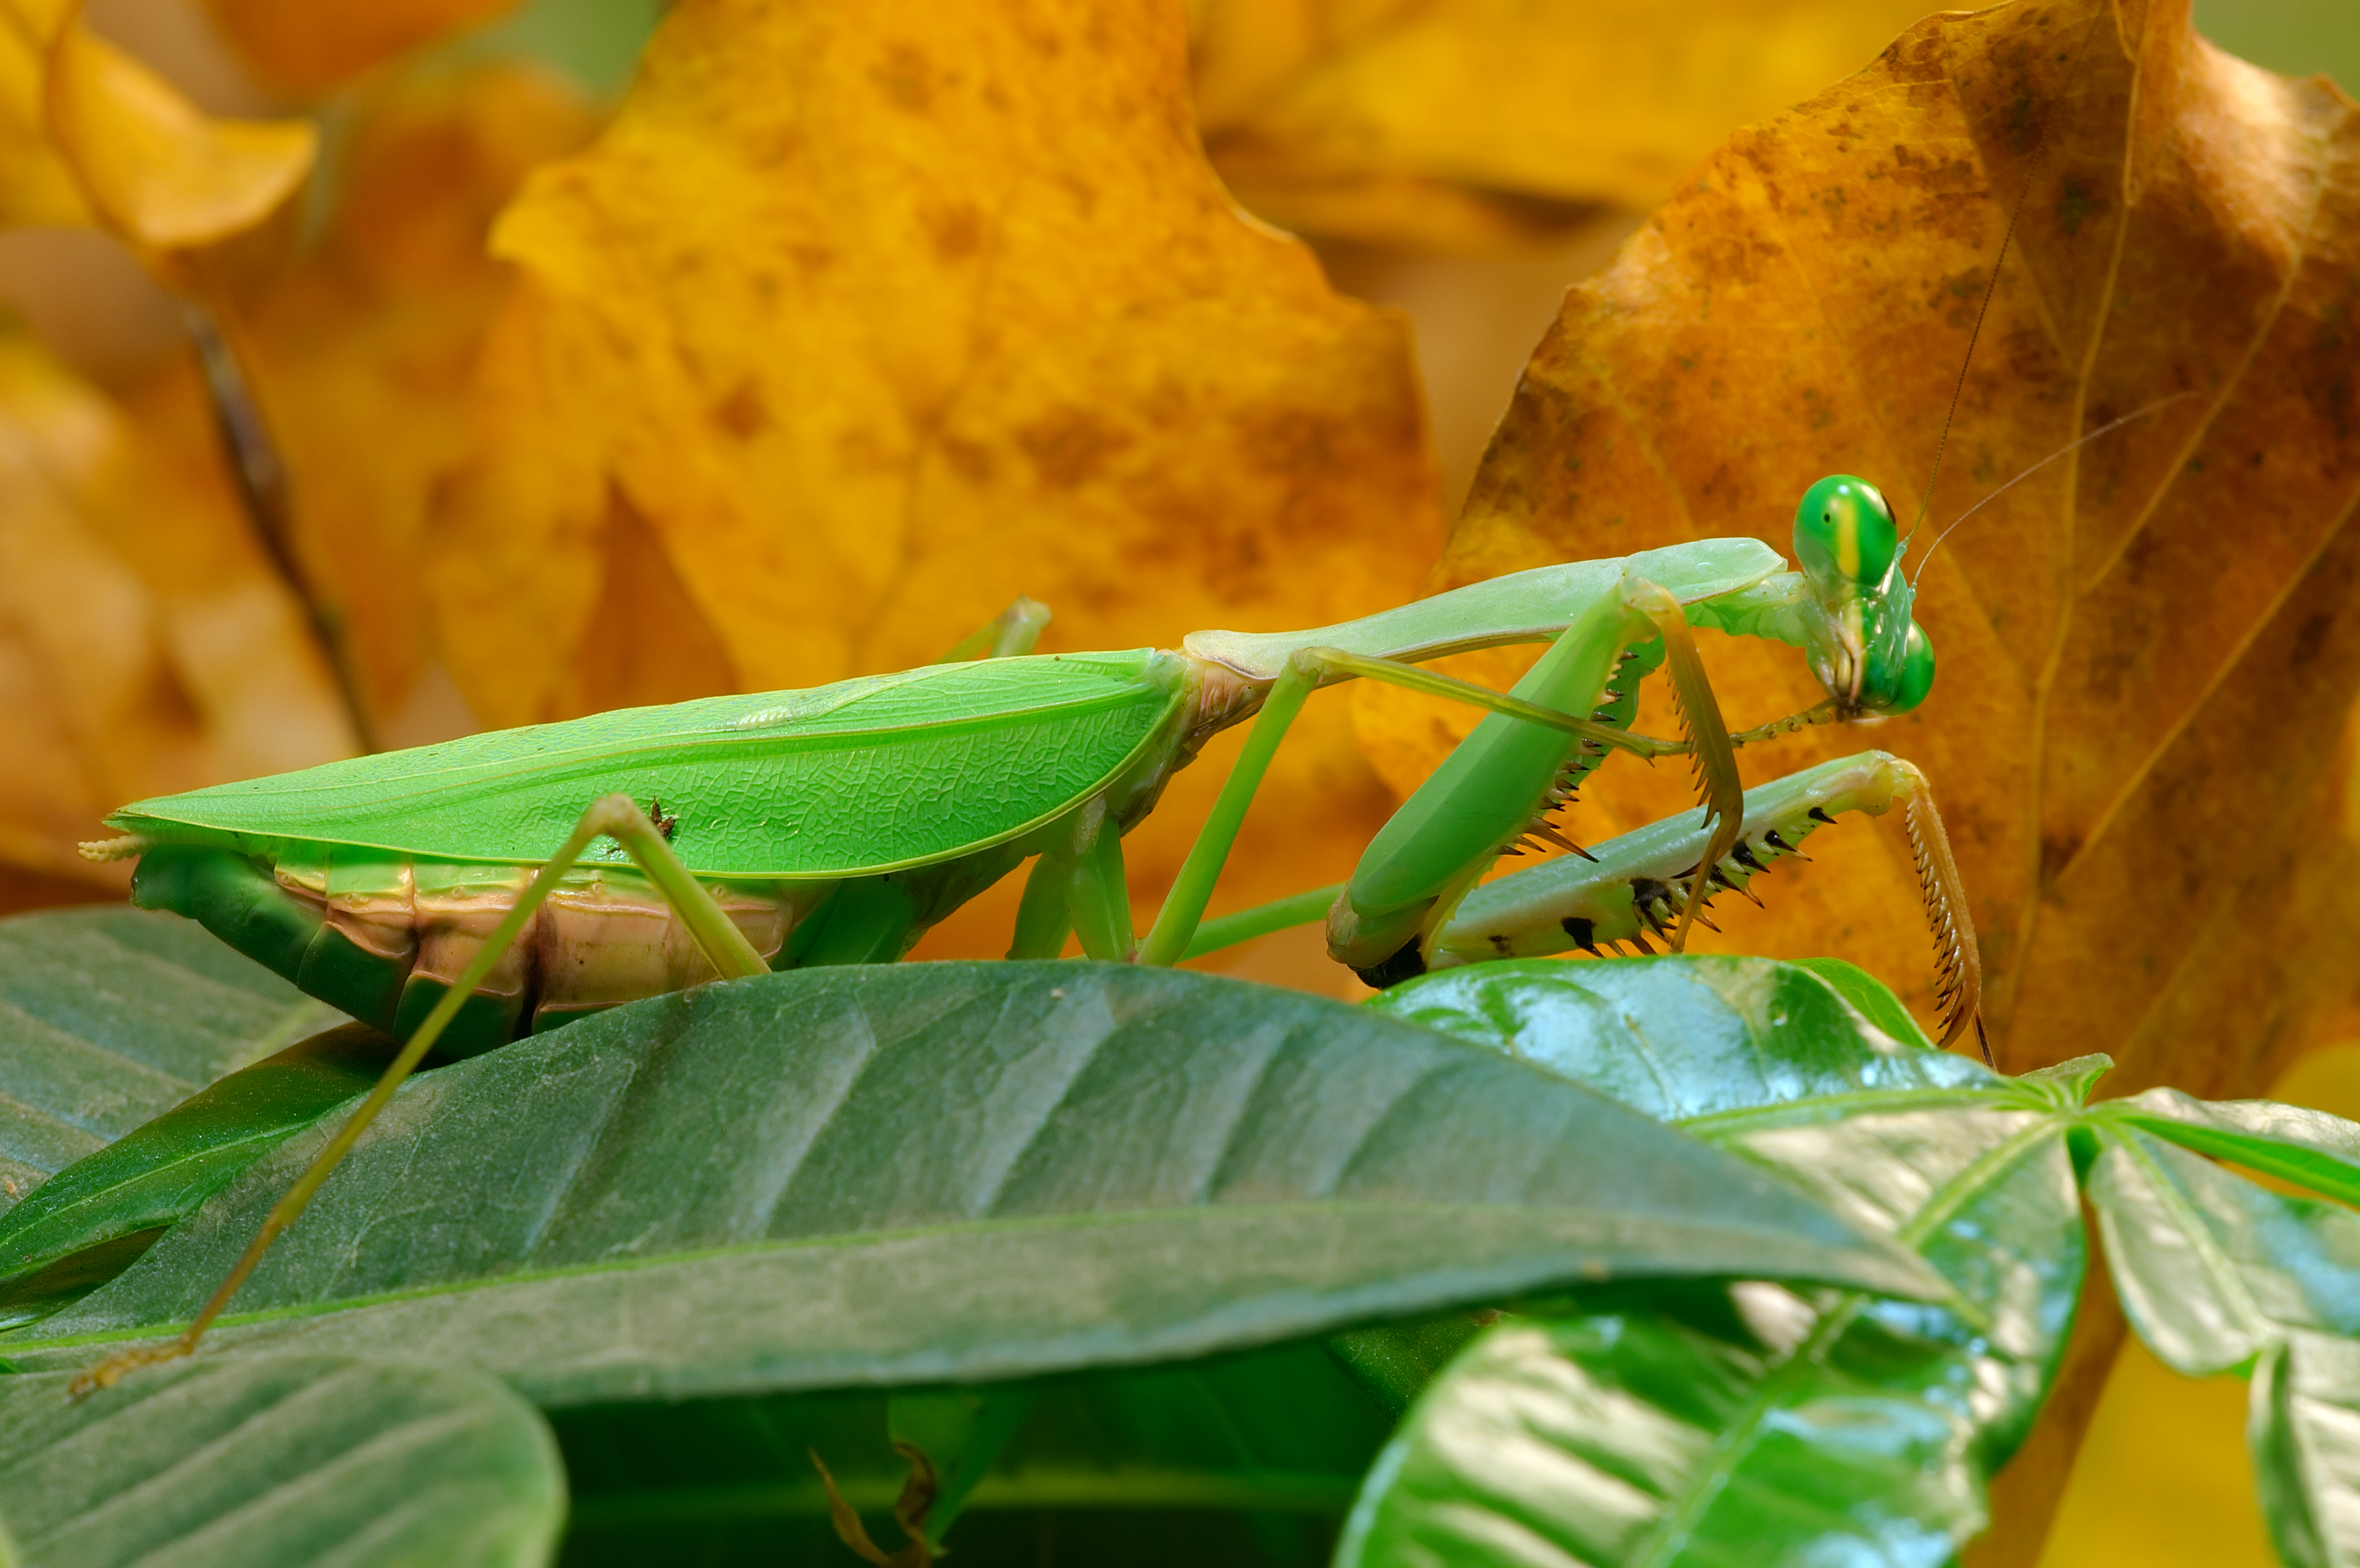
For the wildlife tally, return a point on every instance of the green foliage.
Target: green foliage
(281, 1459)
(108, 1017)
(957, 1171)
(1150, 1267)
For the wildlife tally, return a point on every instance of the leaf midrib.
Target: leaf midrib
(849, 1241)
(1661, 1545)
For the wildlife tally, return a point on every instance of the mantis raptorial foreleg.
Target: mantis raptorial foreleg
(613, 816)
(1725, 802)
(1632, 890)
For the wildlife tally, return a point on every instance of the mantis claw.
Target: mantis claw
(115, 1368)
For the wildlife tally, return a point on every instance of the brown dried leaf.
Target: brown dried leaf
(309, 47)
(1472, 125)
(857, 323)
(362, 355)
(87, 132)
(143, 647)
(2147, 647)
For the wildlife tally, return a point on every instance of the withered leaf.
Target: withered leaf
(1475, 124)
(2147, 647)
(857, 323)
(361, 356)
(144, 645)
(307, 46)
(89, 134)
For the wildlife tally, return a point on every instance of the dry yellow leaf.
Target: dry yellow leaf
(311, 47)
(35, 188)
(859, 322)
(2147, 647)
(161, 172)
(1477, 123)
(87, 132)
(362, 355)
(143, 647)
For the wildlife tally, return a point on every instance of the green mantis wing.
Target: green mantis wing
(861, 776)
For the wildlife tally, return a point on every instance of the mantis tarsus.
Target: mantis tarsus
(459, 894)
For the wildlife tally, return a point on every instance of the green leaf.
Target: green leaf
(1678, 1037)
(959, 1432)
(2212, 1269)
(1756, 1424)
(264, 1461)
(955, 1174)
(2311, 1148)
(1177, 1452)
(110, 1016)
(1752, 1423)
(75, 1231)
(1392, 1361)
(1865, 992)
(2304, 1431)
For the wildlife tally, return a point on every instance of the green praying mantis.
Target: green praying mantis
(461, 894)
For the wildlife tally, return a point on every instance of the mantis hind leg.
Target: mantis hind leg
(1077, 887)
(1634, 888)
(613, 816)
(1014, 631)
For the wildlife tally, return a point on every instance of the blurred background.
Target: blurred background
(1462, 163)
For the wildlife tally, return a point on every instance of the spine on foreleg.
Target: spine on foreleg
(1635, 888)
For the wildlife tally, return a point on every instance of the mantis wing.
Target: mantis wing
(857, 777)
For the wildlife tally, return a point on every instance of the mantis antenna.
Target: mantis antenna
(1991, 287)
(2060, 452)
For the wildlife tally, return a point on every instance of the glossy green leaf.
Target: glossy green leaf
(109, 1016)
(1864, 991)
(1752, 1423)
(260, 1462)
(66, 1238)
(2303, 1428)
(2212, 1269)
(2311, 1148)
(954, 1172)
(1147, 1467)
(1678, 1037)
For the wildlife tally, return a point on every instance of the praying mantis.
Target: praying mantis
(460, 894)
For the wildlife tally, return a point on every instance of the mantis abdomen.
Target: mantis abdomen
(383, 936)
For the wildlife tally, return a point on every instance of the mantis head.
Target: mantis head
(1866, 650)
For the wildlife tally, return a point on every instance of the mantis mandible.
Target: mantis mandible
(460, 894)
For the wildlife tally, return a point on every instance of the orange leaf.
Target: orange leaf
(143, 647)
(163, 173)
(311, 47)
(128, 149)
(35, 188)
(2148, 645)
(859, 322)
(362, 355)
(1476, 124)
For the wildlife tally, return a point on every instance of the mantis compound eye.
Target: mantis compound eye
(1844, 537)
(1897, 680)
